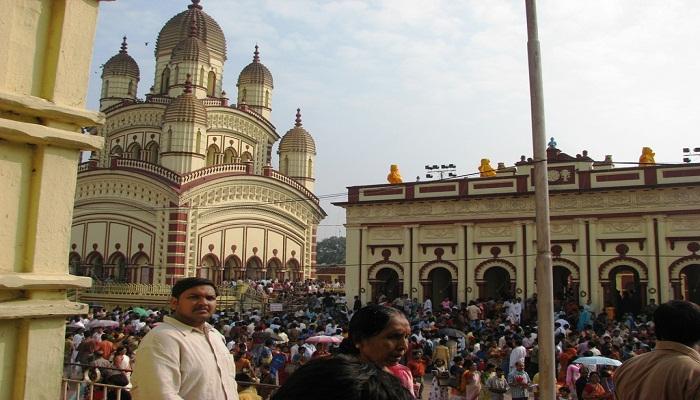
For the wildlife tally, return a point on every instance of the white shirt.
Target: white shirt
(177, 361)
(517, 354)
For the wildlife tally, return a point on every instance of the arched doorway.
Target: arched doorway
(561, 280)
(118, 267)
(94, 262)
(496, 283)
(253, 269)
(690, 283)
(207, 268)
(273, 268)
(232, 269)
(387, 284)
(626, 290)
(74, 263)
(440, 285)
(142, 271)
(294, 271)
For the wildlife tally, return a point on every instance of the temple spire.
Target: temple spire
(124, 45)
(297, 121)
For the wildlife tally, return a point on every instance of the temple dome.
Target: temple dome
(121, 64)
(297, 139)
(178, 28)
(255, 72)
(191, 49)
(186, 107)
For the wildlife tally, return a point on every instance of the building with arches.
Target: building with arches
(184, 185)
(620, 236)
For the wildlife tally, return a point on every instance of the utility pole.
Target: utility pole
(543, 272)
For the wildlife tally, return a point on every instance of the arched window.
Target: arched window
(198, 145)
(230, 155)
(165, 81)
(134, 151)
(129, 91)
(152, 152)
(309, 169)
(211, 84)
(177, 74)
(267, 98)
(244, 94)
(117, 262)
(170, 139)
(201, 77)
(116, 151)
(284, 168)
(212, 152)
(105, 88)
(74, 263)
(246, 157)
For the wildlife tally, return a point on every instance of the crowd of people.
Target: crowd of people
(477, 350)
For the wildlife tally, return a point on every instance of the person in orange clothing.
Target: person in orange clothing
(564, 361)
(106, 346)
(417, 365)
(242, 363)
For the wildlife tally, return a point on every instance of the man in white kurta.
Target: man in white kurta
(184, 357)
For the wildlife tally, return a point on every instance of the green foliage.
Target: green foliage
(331, 251)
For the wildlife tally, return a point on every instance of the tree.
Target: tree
(331, 251)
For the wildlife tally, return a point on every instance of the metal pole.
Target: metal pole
(543, 272)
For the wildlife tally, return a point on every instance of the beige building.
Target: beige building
(620, 236)
(44, 71)
(184, 185)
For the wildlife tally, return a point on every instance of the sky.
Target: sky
(413, 82)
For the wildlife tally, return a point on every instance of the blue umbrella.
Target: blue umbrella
(598, 360)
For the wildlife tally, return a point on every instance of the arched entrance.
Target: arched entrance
(117, 267)
(690, 283)
(74, 263)
(274, 266)
(253, 269)
(626, 294)
(496, 283)
(386, 283)
(232, 269)
(440, 286)
(562, 283)
(206, 267)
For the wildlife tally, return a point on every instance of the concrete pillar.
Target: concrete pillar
(470, 264)
(43, 84)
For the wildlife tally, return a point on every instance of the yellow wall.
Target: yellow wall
(43, 82)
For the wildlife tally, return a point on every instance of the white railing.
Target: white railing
(170, 175)
(213, 102)
(214, 169)
(152, 289)
(291, 182)
(86, 390)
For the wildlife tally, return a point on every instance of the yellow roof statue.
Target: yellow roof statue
(485, 169)
(394, 175)
(647, 157)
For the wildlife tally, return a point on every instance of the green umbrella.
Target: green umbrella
(140, 311)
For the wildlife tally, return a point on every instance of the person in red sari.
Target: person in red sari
(594, 390)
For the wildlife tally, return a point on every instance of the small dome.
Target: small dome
(178, 29)
(191, 48)
(297, 139)
(186, 107)
(255, 72)
(121, 64)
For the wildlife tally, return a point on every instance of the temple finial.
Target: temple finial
(195, 5)
(123, 48)
(297, 121)
(256, 54)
